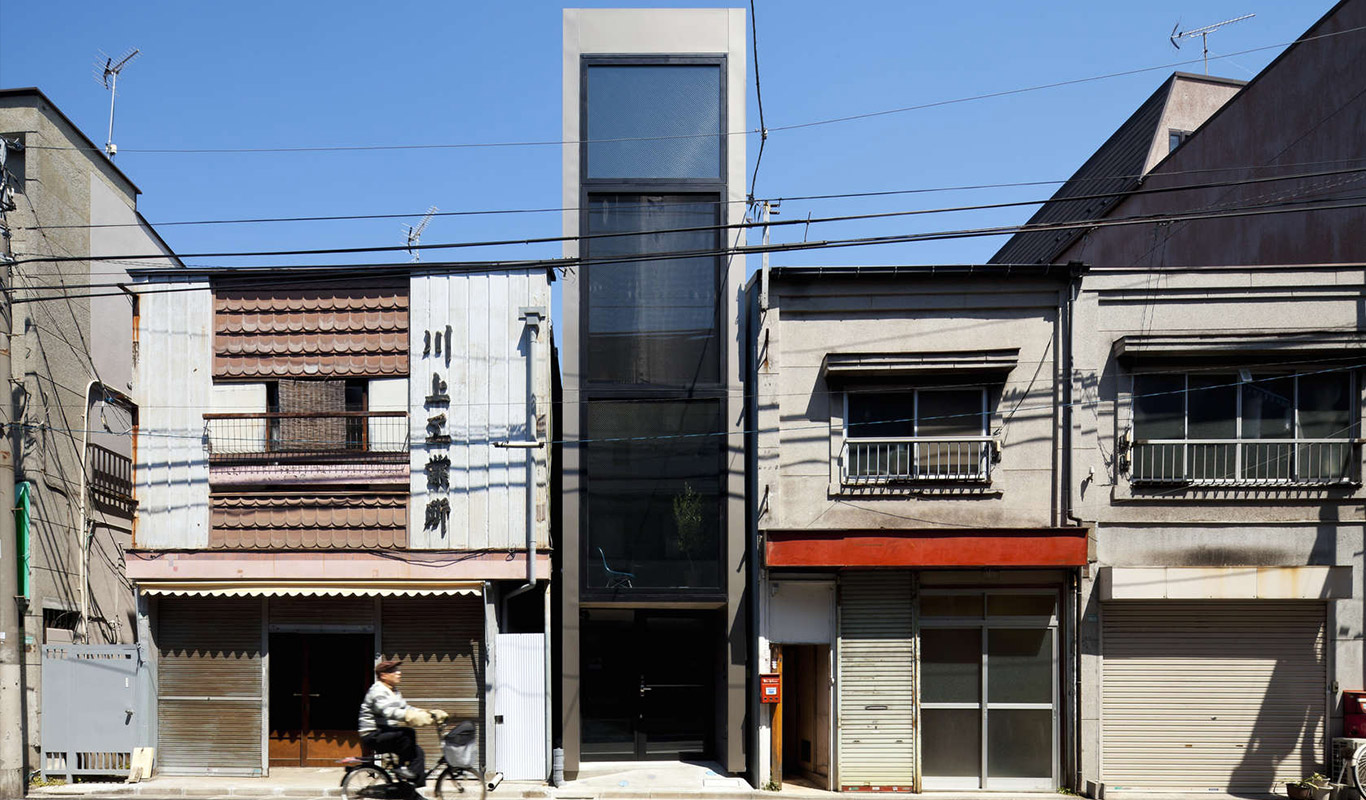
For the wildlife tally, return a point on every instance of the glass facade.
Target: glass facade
(651, 121)
(653, 496)
(652, 321)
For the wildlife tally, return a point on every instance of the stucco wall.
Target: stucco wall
(800, 415)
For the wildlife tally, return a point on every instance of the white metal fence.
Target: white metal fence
(1245, 462)
(905, 459)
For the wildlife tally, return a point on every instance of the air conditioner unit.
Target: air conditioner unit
(1343, 747)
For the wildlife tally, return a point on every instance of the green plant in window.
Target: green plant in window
(688, 521)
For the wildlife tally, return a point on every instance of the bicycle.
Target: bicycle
(375, 777)
(1355, 767)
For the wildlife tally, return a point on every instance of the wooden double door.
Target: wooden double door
(317, 682)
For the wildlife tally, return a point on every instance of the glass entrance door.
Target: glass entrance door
(989, 690)
(648, 689)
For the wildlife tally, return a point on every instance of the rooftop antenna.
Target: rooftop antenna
(1203, 33)
(108, 74)
(414, 233)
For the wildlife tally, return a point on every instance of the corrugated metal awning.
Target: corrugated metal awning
(308, 588)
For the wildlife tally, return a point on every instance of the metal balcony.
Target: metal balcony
(307, 436)
(1246, 462)
(965, 459)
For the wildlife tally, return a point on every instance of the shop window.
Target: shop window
(1244, 428)
(916, 435)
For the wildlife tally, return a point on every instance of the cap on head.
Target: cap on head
(387, 666)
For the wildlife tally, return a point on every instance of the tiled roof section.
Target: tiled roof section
(358, 329)
(1114, 169)
(322, 522)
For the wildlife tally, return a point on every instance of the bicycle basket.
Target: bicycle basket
(459, 744)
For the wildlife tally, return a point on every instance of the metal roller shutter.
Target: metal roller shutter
(1212, 695)
(440, 642)
(209, 693)
(876, 682)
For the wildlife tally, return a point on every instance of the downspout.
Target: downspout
(87, 530)
(1075, 270)
(534, 318)
(86, 533)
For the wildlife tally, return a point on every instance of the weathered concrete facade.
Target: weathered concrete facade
(965, 503)
(1248, 287)
(71, 372)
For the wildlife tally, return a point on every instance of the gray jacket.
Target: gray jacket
(382, 708)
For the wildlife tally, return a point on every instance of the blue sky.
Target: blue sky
(251, 74)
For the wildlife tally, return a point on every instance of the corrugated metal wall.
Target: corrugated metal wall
(209, 693)
(876, 682)
(440, 642)
(172, 471)
(1212, 695)
(519, 699)
(485, 369)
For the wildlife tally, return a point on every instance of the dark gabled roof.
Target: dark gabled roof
(1115, 168)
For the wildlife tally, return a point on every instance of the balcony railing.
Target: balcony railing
(1246, 462)
(945, 459)
(282, 436)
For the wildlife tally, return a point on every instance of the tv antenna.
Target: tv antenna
(1203, 33)
(414, 233)
(108, 74)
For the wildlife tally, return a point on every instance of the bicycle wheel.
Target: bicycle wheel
(1358, 770)
(366, 783)
(460, 783)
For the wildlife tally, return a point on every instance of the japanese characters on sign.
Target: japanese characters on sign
(436, 355)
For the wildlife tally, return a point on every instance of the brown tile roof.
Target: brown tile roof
(358, 329)
(321, 521)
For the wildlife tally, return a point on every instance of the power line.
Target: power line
(789, 127)
(703, 228)
(391, 269)
(778, 199)
(759, 97)
(198, 434)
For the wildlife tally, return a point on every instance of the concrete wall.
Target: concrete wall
(800, 416)
(71, 356)
(488, 376)
(1303, 114)
(1193, 99)
(657, 31)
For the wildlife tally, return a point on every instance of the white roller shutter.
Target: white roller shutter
(876, 682)
(1212, 695)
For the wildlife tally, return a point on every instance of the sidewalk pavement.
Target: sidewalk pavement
(601, 781)
(605, 781)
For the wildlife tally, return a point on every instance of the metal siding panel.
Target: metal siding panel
(209, 648)
(1212, 695)
(440, 642)
(876, 681)
(519, 698)
(172, 472)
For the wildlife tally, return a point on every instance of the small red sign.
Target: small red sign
(770, 688)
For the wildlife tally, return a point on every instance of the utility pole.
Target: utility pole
(12, 745)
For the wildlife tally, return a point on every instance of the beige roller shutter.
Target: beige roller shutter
(876, 682)
(209, 686)
(440, 642)
(1212, 695)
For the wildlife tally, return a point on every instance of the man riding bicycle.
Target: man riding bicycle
(384, 717)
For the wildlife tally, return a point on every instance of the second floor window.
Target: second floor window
(917, 435)
(1244, 429)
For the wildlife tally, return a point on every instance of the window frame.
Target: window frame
(706, 190)
(1131, 441)
(841, 478)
